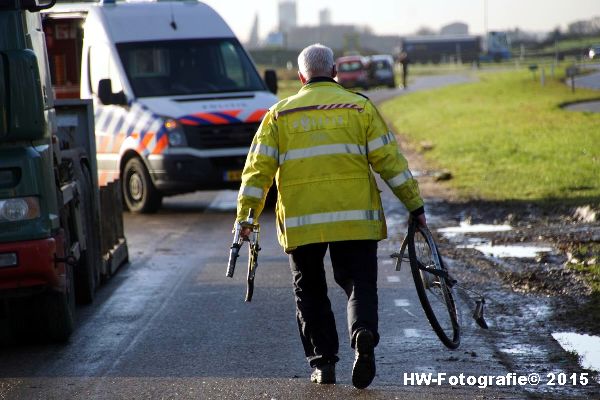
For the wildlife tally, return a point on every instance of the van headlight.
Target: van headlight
(175, 133)
(19, 209)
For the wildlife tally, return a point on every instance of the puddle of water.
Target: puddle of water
(477, 228)
(586, 346)
(456, 234)
(401, 303)
(226, 200)
(411, 333)
(540, 310)
(503, 251)
(522, 349)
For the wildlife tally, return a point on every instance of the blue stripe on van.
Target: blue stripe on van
(229, 118)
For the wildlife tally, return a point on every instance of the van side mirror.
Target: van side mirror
(106, 95)
(271, 80)
(37, 5)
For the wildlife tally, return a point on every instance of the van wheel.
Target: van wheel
(139, 193)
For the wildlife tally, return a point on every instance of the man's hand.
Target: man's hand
(422, 220)
(245, 232)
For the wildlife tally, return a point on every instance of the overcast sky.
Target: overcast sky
(406, 16)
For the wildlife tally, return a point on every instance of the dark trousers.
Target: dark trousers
(355, 270)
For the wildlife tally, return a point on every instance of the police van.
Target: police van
(177, 99)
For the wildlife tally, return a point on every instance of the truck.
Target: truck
(442, 48)
(496, 47)
(457, 48)
(177, 99)
(60, 234)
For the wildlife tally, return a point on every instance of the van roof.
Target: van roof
(148, 21)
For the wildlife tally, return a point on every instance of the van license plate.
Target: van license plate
(233, 176)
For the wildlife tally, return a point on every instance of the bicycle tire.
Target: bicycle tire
(443, 317)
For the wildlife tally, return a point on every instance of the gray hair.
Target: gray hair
(316, 60)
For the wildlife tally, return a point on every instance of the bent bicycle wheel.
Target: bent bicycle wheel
(434, 290)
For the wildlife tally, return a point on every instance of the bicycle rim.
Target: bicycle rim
(435, 295)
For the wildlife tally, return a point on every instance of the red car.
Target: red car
(352, 71)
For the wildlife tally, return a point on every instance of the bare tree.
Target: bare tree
(425, 31)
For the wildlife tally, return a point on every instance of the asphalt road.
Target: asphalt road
(171, 325)
(587, 81)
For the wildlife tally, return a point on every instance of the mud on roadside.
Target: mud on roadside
(565, 228)
(528, 299)
(554, 273)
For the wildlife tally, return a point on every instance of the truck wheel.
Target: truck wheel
(21, 319)
(139, 192)
(87, 273)
(58, 310)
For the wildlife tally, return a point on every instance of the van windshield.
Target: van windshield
(182, 67)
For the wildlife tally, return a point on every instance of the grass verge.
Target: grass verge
(585, 258)
(288, 87)
(505, 137)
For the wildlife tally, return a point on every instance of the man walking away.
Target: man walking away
(404, 61)
(320, 145)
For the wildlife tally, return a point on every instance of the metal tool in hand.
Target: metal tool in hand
(253, 249)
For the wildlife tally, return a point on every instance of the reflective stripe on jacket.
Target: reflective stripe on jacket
(320, 145)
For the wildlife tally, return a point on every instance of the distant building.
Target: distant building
(288, 18)
(254, 40)
(387, 44)
(345, 38)
(341, 38)
(456, 28)
(334, 36)
(275, 39)
(325, 17)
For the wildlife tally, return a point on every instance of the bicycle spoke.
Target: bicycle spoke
(434, 292)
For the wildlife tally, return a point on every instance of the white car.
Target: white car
(594, 52)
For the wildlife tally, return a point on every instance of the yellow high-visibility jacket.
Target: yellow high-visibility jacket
(320, 145)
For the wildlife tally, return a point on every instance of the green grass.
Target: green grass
(505, 137)
(418, 69)
(569, 44)
(588, 257)
(288, 87)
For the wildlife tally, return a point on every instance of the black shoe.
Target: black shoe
(363, 371)
(324, 374)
